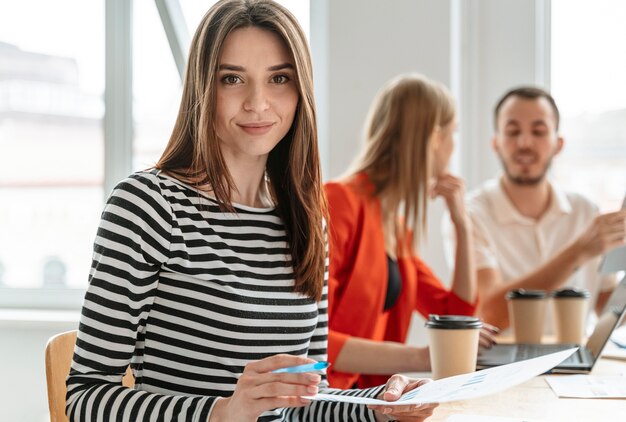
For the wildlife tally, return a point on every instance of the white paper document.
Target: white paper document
(588, 386)
(481, 418)
(467, 386)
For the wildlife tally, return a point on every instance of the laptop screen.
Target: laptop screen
(612, 315)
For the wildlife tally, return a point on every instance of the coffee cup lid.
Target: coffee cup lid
(570, 292)
(526, 294)
(453, 322)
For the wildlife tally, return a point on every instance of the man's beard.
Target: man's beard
(522, 180)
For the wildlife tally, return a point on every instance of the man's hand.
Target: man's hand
(606, 231)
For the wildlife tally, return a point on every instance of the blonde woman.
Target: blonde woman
(377, 213)
(209, 270)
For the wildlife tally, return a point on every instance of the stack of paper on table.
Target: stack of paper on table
(588, 386)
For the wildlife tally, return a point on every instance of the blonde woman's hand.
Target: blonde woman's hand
(259, 389)
(452, 190)
(395, 387)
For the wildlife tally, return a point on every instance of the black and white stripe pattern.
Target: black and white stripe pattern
(188, 295)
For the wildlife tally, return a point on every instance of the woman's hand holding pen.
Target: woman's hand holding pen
(260, 389)
(395, 387)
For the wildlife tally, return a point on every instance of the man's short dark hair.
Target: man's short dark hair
(529, 93)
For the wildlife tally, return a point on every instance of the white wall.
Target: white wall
(479, 47)
(502, 44)
(370, 42)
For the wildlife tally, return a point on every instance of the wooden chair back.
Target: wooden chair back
(59, 353)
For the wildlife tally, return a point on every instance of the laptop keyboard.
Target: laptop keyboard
(528, 351)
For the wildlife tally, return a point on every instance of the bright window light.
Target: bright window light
(588, 67)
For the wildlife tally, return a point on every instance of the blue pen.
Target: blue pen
(308, 367)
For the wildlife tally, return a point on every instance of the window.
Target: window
(54, 273)
(51, 139)
(588, 65)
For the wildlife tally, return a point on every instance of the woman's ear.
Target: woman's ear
(435, 139)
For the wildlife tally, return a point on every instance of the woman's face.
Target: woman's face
(443, 145)
(257, 94)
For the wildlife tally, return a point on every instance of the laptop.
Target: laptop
(582, 361)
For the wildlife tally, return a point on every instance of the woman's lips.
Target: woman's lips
(259, 128)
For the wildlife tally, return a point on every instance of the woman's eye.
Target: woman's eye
(512, 134)
(231, 79)
(280, 79)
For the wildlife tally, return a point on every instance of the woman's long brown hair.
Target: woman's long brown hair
(293, 166)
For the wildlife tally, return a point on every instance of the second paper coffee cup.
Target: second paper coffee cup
(453, 341)
(570, 312)
(527, 309)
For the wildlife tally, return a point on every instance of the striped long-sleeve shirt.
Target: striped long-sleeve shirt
(188, 294)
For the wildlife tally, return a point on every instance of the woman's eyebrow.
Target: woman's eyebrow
(280, 67)
(236, 68)
(232, 67)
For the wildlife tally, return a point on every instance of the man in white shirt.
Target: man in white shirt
(528, 233)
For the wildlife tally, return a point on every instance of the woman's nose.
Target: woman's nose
(256, 100)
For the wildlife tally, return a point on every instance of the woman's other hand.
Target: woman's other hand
(259, 389)
(487, 335)
(395, 387)
(452, 190)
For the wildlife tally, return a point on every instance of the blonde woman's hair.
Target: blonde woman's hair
(398, 148)
(293, 166)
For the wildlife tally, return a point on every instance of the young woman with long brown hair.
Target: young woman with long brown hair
(209, 270)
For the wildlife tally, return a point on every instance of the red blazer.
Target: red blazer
(357, 283)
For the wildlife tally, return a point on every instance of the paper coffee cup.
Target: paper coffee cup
(527, 310)
(453, 344)
(570, 314)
